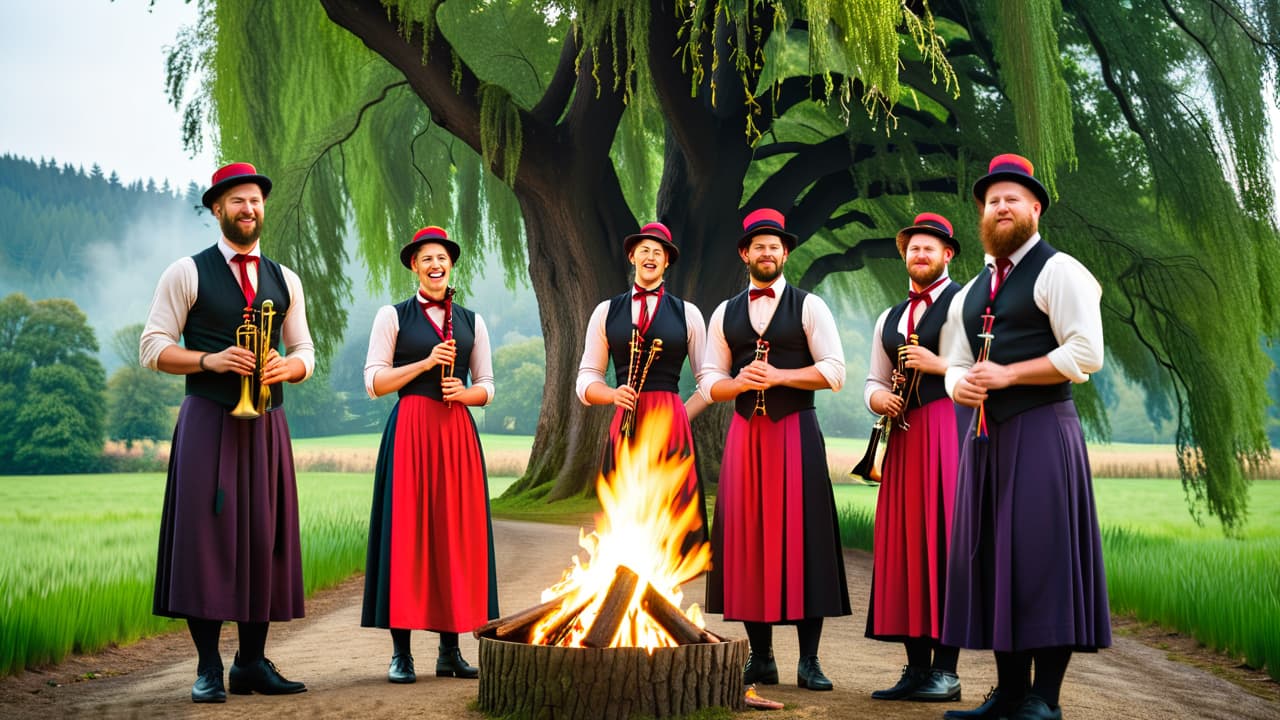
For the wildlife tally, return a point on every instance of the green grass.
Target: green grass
(80, 554)
(1163, 567)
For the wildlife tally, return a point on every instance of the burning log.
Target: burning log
(679, 627)
(613, 610)
(518, 627)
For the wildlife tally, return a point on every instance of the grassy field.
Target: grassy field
(80, 558)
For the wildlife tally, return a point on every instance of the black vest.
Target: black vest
(217, 313)
(788, 349)
(1021, 332)
(418, 336)
(668, 323)
(929, 332)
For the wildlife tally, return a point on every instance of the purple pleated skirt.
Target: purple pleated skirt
(1025, 568)
(229, 546)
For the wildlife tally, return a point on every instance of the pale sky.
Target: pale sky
(83, 82)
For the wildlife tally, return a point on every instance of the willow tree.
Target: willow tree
(544, 132)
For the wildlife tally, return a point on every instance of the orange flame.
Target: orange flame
(646, 518)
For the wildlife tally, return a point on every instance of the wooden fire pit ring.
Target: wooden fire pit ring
(519, 680)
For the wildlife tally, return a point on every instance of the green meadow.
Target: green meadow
(78, 570)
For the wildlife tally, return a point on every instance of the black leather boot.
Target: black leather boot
(261, 677)
(809, 674)
(938, 686)
(401, 670)
(1035, 708)
(995, 706)
(451, 664)
(761, 670)
(911, 679)
(208, 687)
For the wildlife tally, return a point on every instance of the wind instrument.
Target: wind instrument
(871, 466)
(762, 353)
(256, 338)
(980, 427)
(628, 425)
(447, 369)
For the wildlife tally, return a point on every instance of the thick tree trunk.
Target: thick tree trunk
(575, 229)
(536, 681)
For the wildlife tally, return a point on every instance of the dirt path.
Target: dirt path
(344, 665)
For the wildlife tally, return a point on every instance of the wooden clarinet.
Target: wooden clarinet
(628, 425)
(447, 369)
(980, 427)
(762, 353)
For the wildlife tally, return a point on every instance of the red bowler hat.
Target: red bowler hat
(653, 231)
(933, 224)
(766, 221)
(229, 176)
(1014, 168)
(430, 234)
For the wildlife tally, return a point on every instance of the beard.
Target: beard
(232, 231)
(1003, 242)
(761, 275)
(925, 276)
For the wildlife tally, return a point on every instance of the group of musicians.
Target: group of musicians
(985, 533)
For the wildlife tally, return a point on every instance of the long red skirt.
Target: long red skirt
(438, 572)
(913, 526)
(776, 553)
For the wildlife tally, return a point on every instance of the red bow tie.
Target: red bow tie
(754, 293)
(429, 303)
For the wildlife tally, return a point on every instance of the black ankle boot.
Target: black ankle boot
(208, 687)
(809, 674)
(762, 670)
(911, 679)
(451, 664)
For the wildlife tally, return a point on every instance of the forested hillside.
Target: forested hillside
(82, 234)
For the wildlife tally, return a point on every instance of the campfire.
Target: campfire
(617, 608)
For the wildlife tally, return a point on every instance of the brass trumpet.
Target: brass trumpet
(257, 340)
(904, 386)
(762, 353)
(628, 425)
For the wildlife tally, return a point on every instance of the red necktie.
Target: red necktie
(246, 287)
(760, 292)
(1003, 265)
(642, 323)
(916, 297)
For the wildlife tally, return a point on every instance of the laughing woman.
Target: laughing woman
(649, 315)
(430, 562)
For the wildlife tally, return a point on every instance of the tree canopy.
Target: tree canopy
(542, 132)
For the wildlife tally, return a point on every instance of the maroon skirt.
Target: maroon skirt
(913, 525)
(229, 545)
(776, 555)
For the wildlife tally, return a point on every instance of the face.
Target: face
(239, 212)
(650, 260)
(927, 257)
(432, 264)
(1010, 216)
(764, 255)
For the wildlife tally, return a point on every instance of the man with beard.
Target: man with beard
(913, 509)
(776, 556)
(229, 545)
(1026, 577)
